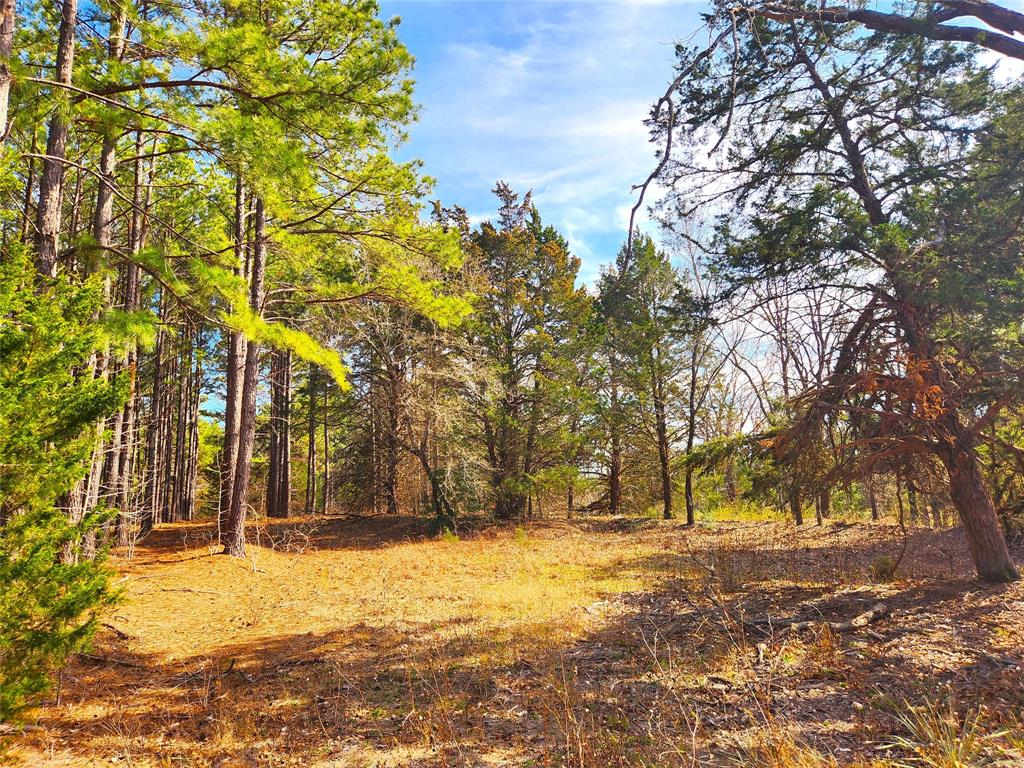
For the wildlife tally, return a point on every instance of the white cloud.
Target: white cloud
(554, 101)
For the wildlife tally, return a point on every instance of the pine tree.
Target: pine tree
(51, 592)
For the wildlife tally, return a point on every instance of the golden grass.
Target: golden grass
(363, 643)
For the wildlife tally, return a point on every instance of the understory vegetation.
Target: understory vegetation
(752, 497)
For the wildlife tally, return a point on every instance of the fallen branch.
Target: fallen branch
(111, 660)
(874, 613)
(121, 635)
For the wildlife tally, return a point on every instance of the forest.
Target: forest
(303, 465)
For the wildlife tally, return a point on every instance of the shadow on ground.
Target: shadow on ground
(690, 666)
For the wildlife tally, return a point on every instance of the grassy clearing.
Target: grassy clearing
(360, 643)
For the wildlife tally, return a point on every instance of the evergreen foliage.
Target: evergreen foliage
(49, 405)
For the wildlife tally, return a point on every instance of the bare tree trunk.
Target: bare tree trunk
(872, 498)
(691, 427)
(235, 533)
(661, 435)
(52, 178)
(615, 457)
(664, 461)
(796, 506)
(233, 373)
(729, 479)
(691, 516)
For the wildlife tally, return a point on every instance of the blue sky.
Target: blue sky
(549, 96)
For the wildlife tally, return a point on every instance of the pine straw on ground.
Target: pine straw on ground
(359, 642)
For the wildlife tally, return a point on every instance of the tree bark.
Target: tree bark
(233, 372)
(51, 181)
(615, 457)
(664, 460)
(729, 479)
(7, 22)
(311, 445)
(279, 475)
(235, 533)
(973, 503)
(691, 427)
(661, 434)
(796, 506)
(326, 498)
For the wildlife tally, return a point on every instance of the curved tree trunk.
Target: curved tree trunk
(973, 503)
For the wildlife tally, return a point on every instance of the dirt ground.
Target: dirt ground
(360, 642)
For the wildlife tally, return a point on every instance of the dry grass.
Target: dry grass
(614, 643)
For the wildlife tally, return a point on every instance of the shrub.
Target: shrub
(49, 406)
(883, 568)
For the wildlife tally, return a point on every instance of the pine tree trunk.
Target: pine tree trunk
(122, 481)
(326, 498)
(234, 368)
(273, 457)
(235, 534)
(153, 447)
(279, 476)
(311, 446)
(286, 438)
(391, 459)
(48, 212)
(30, 180)
(192, 437)
(7, 21)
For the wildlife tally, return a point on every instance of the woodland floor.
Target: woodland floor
(345, 642)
